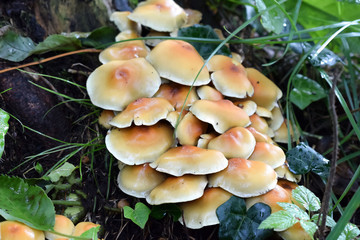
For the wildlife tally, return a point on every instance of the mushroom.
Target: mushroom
(11, 230)
(123, 23)
(263, 112)
(261, 125)
(62, 225)
(82, 227)
(202, 211)
(247, 105)
(242, 178)
(221, 114)
(283, 172)
(105, 118)
(115, 84)
(160, 15)
(269, 154)
(295, 232)
(237, 142)
(193, 17)
(179, 62)
(277, 119)
(229, 77)
(173, 117)
(281, 135)
(259, 137)
(178, 189)
(139, 180)
(139, 144)
(143, 111)
(190, 160)
(209, 93)
(189, 129)
(289, 187)
(204, 139)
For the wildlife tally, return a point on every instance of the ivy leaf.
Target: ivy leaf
(294, 210)
(139, 215)
(14, 47)
(280, 221)
(307, 198)
(64, 171)
(57, 42)
(351, 231)
(159, 211)
(303, 159)
(309, 227)
(329, 220)
(203, 31)
(100, 36)
(305, 91)
(24, 203)
(4, 126)
(238, 224)
(272, 20)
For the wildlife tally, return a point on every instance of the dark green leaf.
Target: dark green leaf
(325, 58)
(64, 171)
(4, 126)
(272, 20)
(238, 224)
(57, 42)
(14, 47)
(305, 91)
(201, 31)
(159, 211)
(139, 215)
(303, 159)
(100, 36)
(24, 203)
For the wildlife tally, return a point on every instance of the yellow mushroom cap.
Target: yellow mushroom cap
(237, 142)
(82, 227)
(221, 114)
(143, 111)
(189, 129)
(105, 118)
(281, 134)
(289, 187)
(277, 118)
(123, 23)
(247, 105)
(259, 137)
(178, 189)
(176, 95)
(295, 232)
(271, 198)
(139, 144)
(202, 211)
(115, 84)
(193, 17)
(179, 62)
(269, 154)
(231, 78)
(160, 15)
(190, 160)
(124, 51)
(11, 230)
(283, 172)
(204, 139)
(209, 93)
(173, 117)
(62, 225)
(245, 178)
(263, 112)
(139, 180)
(261, 125)
(266, 93)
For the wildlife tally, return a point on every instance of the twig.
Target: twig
(88, 50)
(330, 182)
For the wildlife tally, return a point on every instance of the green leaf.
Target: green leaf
(4, 126)
(329, 220)
(238, 224)
(159, 211)
(305, 91)
(14, 47)
(280, 221)
(92, 233)
(24, 203)
(64, 171)
(294, 210)
(139, 215)
(201, 31)
(309, 227)
(351, 231)
(303, 159)
(307, 198)
(57, 42)
(272, 20)
(100, 36)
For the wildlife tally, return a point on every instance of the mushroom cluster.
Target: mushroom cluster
(195, 143)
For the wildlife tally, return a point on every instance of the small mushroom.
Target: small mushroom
(139, 144)
(221, 114)
(193, 17)
(237, 142)
(105, 118)
(204, 139)
(178, 189)
(277, 119)
(259, 137)
(269, 154)
(261, 125)
(209, 93)
(190, 160)
(123, 23)
(263, 112)
(245, 178)
(179, 62)
(281, 135)
(247, 105)
(82, 227)
(202, 211)
(189, 129)
(139, 180)
(283, 172)
(11, 230)
(62, 225)
(295, 232)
